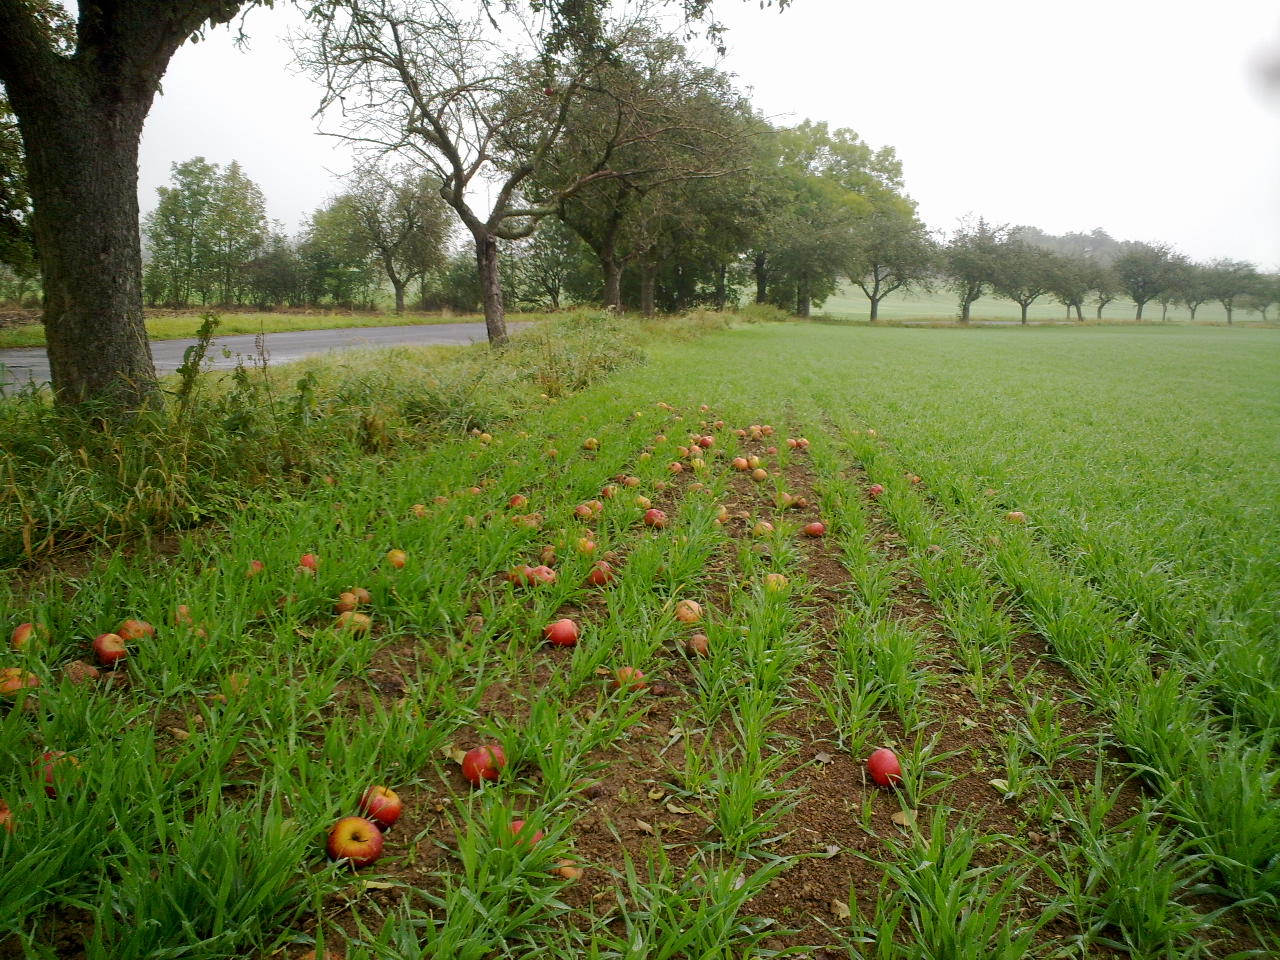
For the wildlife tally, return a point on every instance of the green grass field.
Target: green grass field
(1046, 582)
(850, 304)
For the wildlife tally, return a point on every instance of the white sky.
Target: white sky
(1147, 119)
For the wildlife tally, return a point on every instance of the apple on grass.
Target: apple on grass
(814, 529)
(6, 817)
(884, 768)
(54, 768)
(397, 558)
(353, 622)
(483, 763)
(562, 633)
(688, 611)
(308, 563)
(523, 837)
(132, 631)
(628, 678)
(109, 648)
(13, 680)
(25, 634)
(356, 840)
(601, 573)
(698, 645)
(875, 490)
(381, 805)
(653, 517)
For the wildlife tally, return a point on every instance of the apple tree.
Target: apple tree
(1229, 280)
(891, 251)
(970, 261)
(1144, 270)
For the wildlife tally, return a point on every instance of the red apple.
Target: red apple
(6, 817)
(628, 678)
(759, 473)
(397, 558)
(601, 573)
(309, 563)
(109, 647)
(884, 768)
(382, 806)
(132, 631)
(675, 467)
(875, 489)
(609, 491)
(740, 463)
(562, 633)
(255, 568)
(814, 529)
(542, 574)
(55, 764)
(357, 840)
(654, 517)
(582, 511)
(483, 763)
(698, 645)
(523, 839)
(707, 442)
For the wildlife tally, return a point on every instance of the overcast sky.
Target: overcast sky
(1147, 119)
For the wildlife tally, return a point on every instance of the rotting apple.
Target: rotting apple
(78, 672)
(591, 443)
(382, 805)
(134, 630)
(483, 763)
(13, 680)
(255, 568)
(397, 558)
(357, 840)
(25, 634)
(884, 768)
(562, 633)
(698, 645)
(762, 528)
(1016, 516)
(110, 648)
(740, 463)
(775, 582)
(688, 611)
(6, 817)
(419, 510)
(363, 597)
(353, 622)
(308, 563)
(875, 490)
(517, 501)
(814, 529)
(346, 603)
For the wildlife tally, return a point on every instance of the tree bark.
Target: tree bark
(398, 286)
(1228, 306)
(1079, 314)
(495, 317)
(1138, 315)
(802, 296)
(762, 277)
(875, 308)
(964, 310)
(1024, 313)
(81, 119)
(612, 270)
(648, 289)
(722, 287)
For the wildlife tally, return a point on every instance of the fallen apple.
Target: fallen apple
(419, 510)
(688, 611)
(582, 511)
(814, 529)
(55, 764)
(628, 678)
(309, 563)
(255, 568)
(562, 633)
(875, 490)
(357, 840)
(382, 806)
(517, 501)
(397, 558)
(483, 763)
(586, 545)
(109, 648)
(78, 672)
(567, 870)
(521, 838)
(134, 630)
(591, 443)
(25, 634)
(654, 517)
(675, 467)
(14, 680)
(609, 491)
(601, 573)
(762, 528)
(644, 503)
(759, 473)
(740, 464)
(346, 603)
(363, 597)
(630, 481)
(354, 622)
(884, 768)
(6, 817)
(1016, 516)
(775, 582)
(698, 645)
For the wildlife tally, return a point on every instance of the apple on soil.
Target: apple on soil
(601, 573)
(875, 489)
(884, 768)
(381, 805)
(688, 611)
(628, 678)
(357, 840)
(654, 517)
(483, 763)
(109, 648)
(775, 582)
(562, 633)
(814, 529)
(698, 645)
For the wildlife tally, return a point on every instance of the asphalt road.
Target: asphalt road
(21, 365)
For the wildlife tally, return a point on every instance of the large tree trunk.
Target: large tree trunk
(398, 286)
(1138, 315)
(802, 296)
(1024, 313)
(1079, 314)
(875, 308)
(648, 289)
(612, 270)
(81, 118)
(964, 310)
(722, 287)
(495, 315)
(1228, 306)
(82, 168)
(762, 276)
(1193, 307)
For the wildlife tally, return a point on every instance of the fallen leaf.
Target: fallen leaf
(829, 851)
(904, 818)
(379, 885)
(823, 757)
(644, 827)
(739, 882)
(657, 793)
(672, 808)
(180, 734)
(841, 910)
(1001, 785)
